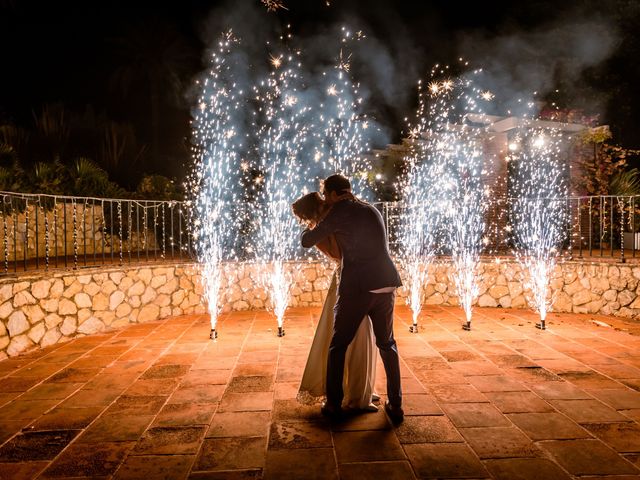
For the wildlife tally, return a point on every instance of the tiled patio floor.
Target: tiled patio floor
(160, 400)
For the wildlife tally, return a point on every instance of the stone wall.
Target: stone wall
(40, 310)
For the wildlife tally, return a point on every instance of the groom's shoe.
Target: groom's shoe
(396, 414)
(329, 410)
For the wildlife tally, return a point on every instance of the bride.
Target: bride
(360, 360)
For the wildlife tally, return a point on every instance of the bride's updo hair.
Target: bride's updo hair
(308, 207)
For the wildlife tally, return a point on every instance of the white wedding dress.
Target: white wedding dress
(359, 365)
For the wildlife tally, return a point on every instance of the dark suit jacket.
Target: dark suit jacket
(360, 233)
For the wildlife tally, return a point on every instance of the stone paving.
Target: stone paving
(160, 400)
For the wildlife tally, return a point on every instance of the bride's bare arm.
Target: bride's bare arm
(330, 247)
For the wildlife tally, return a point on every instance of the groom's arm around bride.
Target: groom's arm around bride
(367, 287)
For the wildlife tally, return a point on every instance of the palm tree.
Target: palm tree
(155, 62)
(120, 151)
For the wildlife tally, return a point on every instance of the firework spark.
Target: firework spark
(274, 5)
(538, 211)
(212, 184)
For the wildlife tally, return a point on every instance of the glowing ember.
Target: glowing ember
(273, 5)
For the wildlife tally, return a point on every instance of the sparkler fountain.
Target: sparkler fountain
(340, 132)
(291, 132)
(213, 182)
(420, 219)
(283, 137)
(539, 214)
(456, 146)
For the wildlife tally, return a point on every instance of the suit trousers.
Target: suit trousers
(348, 313)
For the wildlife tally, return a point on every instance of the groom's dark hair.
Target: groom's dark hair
(337, 183)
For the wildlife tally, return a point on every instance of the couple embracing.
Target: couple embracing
(359, 304)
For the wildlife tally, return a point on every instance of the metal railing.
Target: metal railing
(604, 226)
(54, 231)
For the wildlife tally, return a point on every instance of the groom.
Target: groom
(367, 287)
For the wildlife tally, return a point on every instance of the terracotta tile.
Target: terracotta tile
(137, 405)
(356, 446)
(444, 460)
(184, 414)
(91, 398)
(459, 355)
(292, 410)
(559, 391)
(476, 368)
(588, 457)
(457, 394)
(587, 411)
(93, 361)
(622, 437)
(8, 428)
(532, 375)
(254, 370)
(160, 386)
(496, 383)
(589, 379)
(525, 469)
(511, 360)
(499, 442)
(40, 369)
(197, 394)
(427, 429)
(418, 364)
(624, 399)
(6, 397)
(25, 409)
(246, 402)
(205, 377)
(246, 384)
(89, 460)
(518, 402)
(154, 467)
(618, 371)
(239, 424)
(20, 471)
(116, 428)
(67, 418)
(267, 356)
(165, 371)
(51, 391)
(239, 453)
(110, 381)
(286, 390)
(398, 470)
(19, 383)
(633, 383)
(633, 414)
(206, 363)
(420, 404)
(177, 359)
(442, 376)
(288, 373)
(410, 386)
(312, 464)
(547, 426)
(74, 375)
(288, 435)
(358, 421)
(474, 415)
(33, 446)
(170, 441)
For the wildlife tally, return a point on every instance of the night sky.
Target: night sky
(78, 53)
